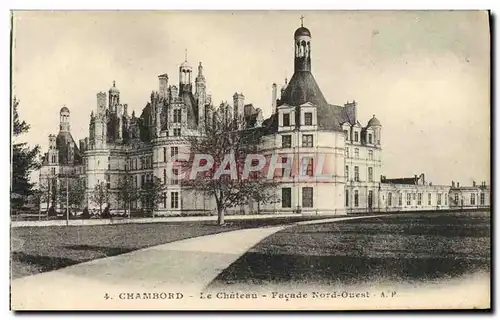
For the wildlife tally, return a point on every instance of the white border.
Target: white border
(6, 5)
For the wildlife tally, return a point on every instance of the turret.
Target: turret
(302, 39)
(114, 96)
(185, 73)
(64, 124)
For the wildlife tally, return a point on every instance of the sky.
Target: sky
(425, 75)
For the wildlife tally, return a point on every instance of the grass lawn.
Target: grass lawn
(403, 248)
(41, 249)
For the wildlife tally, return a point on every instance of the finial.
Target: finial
(374, 116)
(185, 55)
(286, 81)
(301, 21)
(113, 83)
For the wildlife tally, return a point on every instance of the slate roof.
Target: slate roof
(303, 88)
(62, 140)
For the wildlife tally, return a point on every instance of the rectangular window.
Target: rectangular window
(164, 176)
(370, 138)
(174, 151)
(307, 197)
(164, 154)
(286, 141)
(408, 199)
(347, 173)
(174, 200)
(356, 153)
(175, 172)
(472, 199)
(356, 136)
(370, 154)
(400, 199)
(143, 181)
(286, 119)
(108, 181)
(370, 174)
(177, 115)
(389, 199)
(109, 163)
(419, 199)
(164, 199)
(347, 152)
(356, 198)
(286, 197)
(429, 199)
(445, 199)
(456, 198)
(356, 173)
(370, 198)
(307, 140)
(347, 198)
(439, 199)
(177, 132)
(482, 199)
(308, 118)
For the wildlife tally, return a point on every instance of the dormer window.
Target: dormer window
(346, 134)
(308, 118)
(356, 136)
(286, 120)
(370, 138)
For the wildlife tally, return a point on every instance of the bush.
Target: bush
(106, 213)
(52, 212)
(86, 213)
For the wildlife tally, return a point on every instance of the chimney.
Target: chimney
(473, 183)
(458, 184)
(274, 96)
(453, 184)
(163, 85)
(239, 104)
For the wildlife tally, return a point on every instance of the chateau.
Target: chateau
(303, 125)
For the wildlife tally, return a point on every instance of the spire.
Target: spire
(185, 55)
(301, 21)
(114, 83)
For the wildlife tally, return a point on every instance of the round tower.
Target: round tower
(377, 128)
(302, 39)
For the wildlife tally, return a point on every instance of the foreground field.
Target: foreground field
(41, 249)
(402, 248)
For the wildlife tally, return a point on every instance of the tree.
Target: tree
(127, 193)
(227, 141)
(24, 160)
(100, 195)
(75, 192)
(151, 194)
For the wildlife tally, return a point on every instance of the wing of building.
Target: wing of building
(341, 154)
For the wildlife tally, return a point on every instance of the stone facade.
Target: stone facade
(303, 129)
